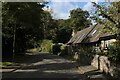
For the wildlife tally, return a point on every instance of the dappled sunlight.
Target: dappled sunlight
(84, 69)
(49, 61)
(52, 65)
(62, 71)
(27, 70)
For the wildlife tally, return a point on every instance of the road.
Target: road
(43, 66)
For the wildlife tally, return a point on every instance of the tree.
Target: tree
(111, 23)
(47, 23)
(62, 31)
(79, 19)
(64, 23)
(21, 24)
(63, 35)
(111, 15)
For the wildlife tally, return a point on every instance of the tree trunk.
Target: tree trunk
(14, 39)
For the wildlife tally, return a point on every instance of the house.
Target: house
(86, 45)
(92, 36)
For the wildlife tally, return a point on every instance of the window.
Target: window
(93, 32)
(107, 44)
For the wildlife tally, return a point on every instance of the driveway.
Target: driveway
(38, 66)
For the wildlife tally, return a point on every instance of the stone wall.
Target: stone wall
(102, 63)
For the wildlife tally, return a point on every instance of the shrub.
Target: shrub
(114, 52)
(46, 46)
(64, 50)
(56, 48)
(60, 49)
(88, 50)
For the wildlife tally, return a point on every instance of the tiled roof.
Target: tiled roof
(88, 35)
(80, 35)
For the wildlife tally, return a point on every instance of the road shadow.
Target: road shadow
(30, 58)
(59, 69)
(42, 74)
(97, 75)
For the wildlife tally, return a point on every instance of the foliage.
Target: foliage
(60, 49)
(111, 23)
(25, 25)
(114, 52)
(64, 23)
(86, 49)
(64, 50)
(110, 16)
(56, 49)
(48, 26)
(22, 25)
(79, 19)
(7, 63)
(46, 46)
(63, 35)
(84, 52)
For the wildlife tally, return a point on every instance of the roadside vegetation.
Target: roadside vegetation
(28, 27)
(22, 32)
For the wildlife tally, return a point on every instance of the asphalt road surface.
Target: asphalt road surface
(43, 66)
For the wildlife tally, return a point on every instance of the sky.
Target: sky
(61, 8)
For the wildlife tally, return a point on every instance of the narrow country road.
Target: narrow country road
(40, 66)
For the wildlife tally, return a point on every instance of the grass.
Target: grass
(44, 46)
(33, 50)
(3, 64)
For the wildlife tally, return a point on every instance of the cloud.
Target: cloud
(66, 0)
(89, 5)
(82, 0)
(61, 9)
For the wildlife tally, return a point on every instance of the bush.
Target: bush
(56, 48)
(46, 46)
(88, 50)
(114, 52)
(64, 50)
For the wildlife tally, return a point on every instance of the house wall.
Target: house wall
(110, 42)
(102, 44)
(102, 63)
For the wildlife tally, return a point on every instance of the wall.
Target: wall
(110, 42)
(102, 63)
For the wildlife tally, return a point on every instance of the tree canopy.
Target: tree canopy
(25, 25)
(111, 15)
(111, 24)
(22, 25)
(79, 19)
